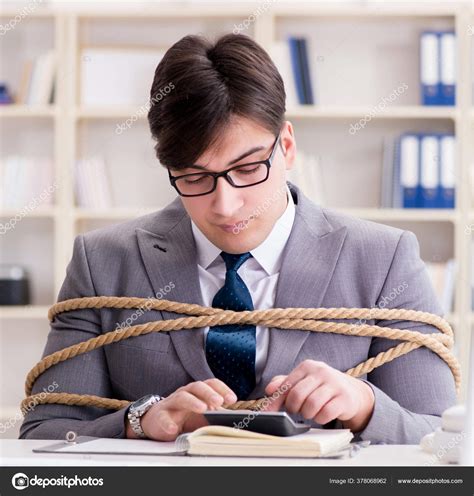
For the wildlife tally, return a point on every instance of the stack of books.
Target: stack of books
(419, 171)
(37, 86)
(91, 182)
(292, 60)
(438, 68)
(25, 181)
(442, 275)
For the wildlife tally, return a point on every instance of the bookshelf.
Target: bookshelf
(141, 187)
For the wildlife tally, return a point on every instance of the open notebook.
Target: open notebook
(215, 441)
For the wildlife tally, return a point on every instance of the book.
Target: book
(429, 68)
(216, 440)
(443, 278)
(26, 181)
(281, 56)
(438, 68)
(447, 44)
(409, 171)
(419, 171)
(92, 187)
(42, 79)
(307, 174)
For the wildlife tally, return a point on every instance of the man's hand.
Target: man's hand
(322, 393)
(182, 410)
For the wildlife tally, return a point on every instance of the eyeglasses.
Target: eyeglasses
(240, 176)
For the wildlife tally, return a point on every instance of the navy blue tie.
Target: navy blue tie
(230, 349)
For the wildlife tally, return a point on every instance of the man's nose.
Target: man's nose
(226, 199)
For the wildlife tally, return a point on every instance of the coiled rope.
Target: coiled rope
(307, 319)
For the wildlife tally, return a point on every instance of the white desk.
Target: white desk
(15, 452)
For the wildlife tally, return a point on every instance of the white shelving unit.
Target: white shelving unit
(339, 32)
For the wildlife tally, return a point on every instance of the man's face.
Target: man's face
(237, 220)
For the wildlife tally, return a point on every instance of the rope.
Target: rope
(309, 319)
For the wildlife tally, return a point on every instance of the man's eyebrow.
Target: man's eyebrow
(246, 154)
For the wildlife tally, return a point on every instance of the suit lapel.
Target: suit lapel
(309, 259)
(175, 261)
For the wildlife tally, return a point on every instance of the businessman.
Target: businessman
(239, 236)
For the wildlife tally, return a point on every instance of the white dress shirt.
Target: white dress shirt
(260, 273)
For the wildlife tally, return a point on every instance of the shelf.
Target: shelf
(295, 112)
(182, 11)
(111, 112)
(28, 110)
(357, 112)
(400, 214)
(39, 213)
(213, 10)
(409, 9)
(24, 312)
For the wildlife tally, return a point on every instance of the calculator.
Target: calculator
(273, 423)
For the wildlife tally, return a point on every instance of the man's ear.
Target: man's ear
(288, 145)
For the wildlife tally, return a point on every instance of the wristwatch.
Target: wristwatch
(137, 409)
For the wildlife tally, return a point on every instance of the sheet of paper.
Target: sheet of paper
(112, 446)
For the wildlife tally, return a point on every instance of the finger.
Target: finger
(299, 392)
(205, 393)
(274, 402)
(316, 400)
(330, 411)
(295, 376)
(274, 384)
(223, 389)
(184, 401)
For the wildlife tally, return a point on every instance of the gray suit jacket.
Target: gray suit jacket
(330, 260)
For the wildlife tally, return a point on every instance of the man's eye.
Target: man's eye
(194, 181)
(249, 170)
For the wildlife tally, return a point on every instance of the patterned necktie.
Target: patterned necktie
(230, 349)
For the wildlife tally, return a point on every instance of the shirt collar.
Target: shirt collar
(268, 254)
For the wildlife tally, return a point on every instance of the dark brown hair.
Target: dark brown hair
(210, 83)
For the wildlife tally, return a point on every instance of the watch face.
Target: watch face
(140, 403)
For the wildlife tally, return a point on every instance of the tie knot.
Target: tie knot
(234, 261)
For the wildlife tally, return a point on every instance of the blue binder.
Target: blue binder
(409, 170)
(429, 171)
(297, 69)
(447, 183)
(430, 68)
(447, 43)
(307, 87)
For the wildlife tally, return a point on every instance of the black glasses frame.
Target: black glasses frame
(215, 175)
